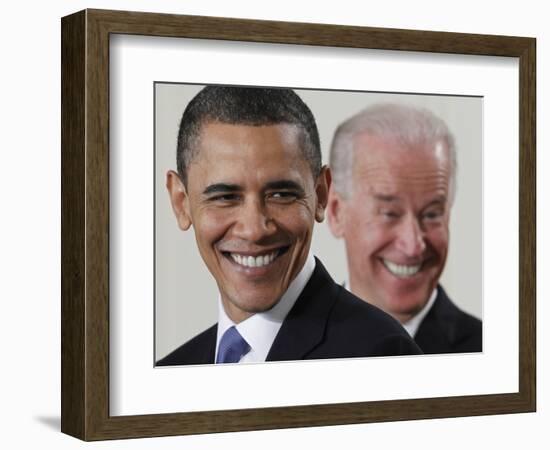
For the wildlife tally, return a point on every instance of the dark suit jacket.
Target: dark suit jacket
(326, 321)
(447, 329)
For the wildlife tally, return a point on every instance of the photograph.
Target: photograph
(399, 223)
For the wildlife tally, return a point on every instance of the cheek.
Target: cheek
(366, 239)
(439, 240)
(295, 221)
(212, 227)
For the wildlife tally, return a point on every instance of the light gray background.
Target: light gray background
(31, 232)
(185, 292)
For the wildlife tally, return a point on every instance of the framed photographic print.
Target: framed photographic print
(127, 78)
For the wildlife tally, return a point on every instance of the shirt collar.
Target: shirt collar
(260, 329)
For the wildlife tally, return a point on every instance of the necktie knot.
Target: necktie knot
(232, 347)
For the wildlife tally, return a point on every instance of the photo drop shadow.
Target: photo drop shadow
(52, 422)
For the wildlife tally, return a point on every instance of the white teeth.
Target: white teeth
(251, 261)
(401, 270)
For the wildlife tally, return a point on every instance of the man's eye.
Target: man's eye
(432, 215)
(388, 214)
(224, 198)
(283, 197)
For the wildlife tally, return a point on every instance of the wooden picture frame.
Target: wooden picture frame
(85, 224)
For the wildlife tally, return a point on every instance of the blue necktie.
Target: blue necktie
(232, 347)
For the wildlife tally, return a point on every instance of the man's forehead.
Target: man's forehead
(247, 164)
(393, 176)
(260, 144)
(390, 185)
(250, 144)
(221, 131)
(368, 139)
(372, 153)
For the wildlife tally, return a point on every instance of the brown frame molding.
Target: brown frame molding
(85, 224)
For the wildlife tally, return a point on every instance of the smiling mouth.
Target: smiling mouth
(260, 260)
(401, 270)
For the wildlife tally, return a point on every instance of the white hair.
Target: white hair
(408, 125)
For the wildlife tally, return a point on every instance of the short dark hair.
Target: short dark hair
(246, 106)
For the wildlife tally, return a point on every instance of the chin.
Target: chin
(407, 306)
(254, 307)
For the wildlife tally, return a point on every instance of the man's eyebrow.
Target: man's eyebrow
(221, 188)
(284, 184)
(440, 199)
(386, 198)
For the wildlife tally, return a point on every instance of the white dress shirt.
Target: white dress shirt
(260, 329)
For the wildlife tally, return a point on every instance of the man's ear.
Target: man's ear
(179, 199)
(321, 190)
(336, 213)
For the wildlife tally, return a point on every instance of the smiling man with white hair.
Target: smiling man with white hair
(394, 181)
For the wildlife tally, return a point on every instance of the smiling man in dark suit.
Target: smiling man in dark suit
(251, 184)
(394, 169)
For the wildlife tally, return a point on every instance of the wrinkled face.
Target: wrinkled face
(252, 201)
(395, 223)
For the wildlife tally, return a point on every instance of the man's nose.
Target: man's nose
(254, 222)
(410, 240)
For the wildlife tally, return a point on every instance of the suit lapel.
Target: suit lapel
(431, 334)
(204, 349)
(210, 349)
(304, 327)
(449, 312)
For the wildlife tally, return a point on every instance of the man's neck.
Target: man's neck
(402, 318)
